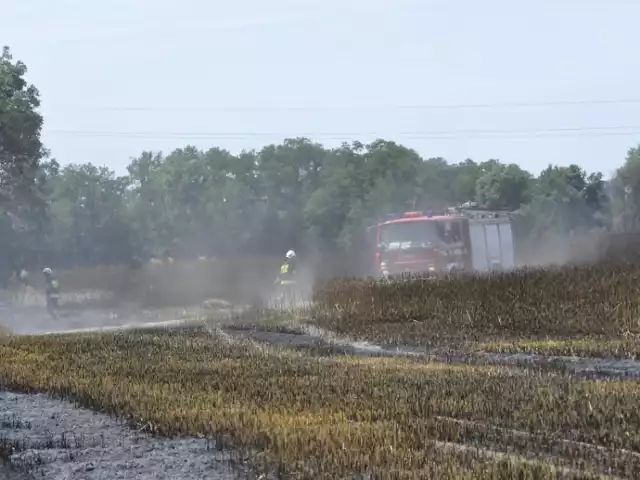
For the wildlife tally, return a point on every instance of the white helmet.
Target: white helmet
(47, 271)
(291, 254)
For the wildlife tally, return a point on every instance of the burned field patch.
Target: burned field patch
(305, 416)
(326, 412)
(568, 303)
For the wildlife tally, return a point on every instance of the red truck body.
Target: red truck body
(424, 243)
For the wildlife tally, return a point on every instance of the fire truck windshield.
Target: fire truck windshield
(423, 233)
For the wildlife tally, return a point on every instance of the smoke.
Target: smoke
(557, 249)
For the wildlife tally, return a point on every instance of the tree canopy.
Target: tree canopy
(297, 194)
(22, 177)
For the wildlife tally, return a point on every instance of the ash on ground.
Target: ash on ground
(56, 440)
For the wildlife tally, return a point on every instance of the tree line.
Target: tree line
(297, 194)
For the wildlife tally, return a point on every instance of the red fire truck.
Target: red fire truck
(457, 239)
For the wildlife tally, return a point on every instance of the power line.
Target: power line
(310, 108)
(442, 134)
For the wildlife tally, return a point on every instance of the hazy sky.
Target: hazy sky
(451, 78)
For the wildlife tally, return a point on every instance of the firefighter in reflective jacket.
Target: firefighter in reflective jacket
(288, 270)
(52, 292)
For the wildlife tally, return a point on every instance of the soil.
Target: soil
(60, 441)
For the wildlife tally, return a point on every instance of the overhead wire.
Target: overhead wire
(382, 107)
(595, 131)
(442, 134)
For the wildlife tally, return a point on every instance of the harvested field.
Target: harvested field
(569, 303)
(627, 347)
(319, 417)
(295, 395)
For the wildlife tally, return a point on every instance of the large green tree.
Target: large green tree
(503, 187)
(22, 199)
(626, 192)
(90, 219)
(566, 200)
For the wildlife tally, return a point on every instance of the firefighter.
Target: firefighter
(52, 291)
(286, 279)
(288, 269)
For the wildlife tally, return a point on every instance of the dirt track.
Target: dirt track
(36, 321)
(313, 337)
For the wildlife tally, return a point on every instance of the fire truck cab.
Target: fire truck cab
(457, 240)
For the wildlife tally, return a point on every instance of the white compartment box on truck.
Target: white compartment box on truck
(491, 244)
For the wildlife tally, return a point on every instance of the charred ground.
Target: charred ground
(319, 406)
